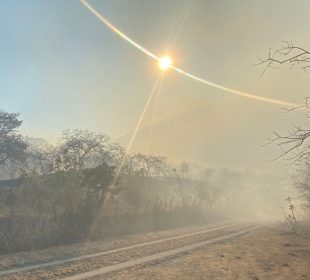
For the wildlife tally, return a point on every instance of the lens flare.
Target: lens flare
(165, 62)
(181, 71)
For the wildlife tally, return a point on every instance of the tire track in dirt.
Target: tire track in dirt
(102, 253)
(160, 255)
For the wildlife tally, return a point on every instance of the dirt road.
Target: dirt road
(194, 253)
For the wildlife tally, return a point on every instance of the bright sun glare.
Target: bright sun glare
(165, 62)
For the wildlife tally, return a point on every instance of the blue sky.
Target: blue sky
(60, 68)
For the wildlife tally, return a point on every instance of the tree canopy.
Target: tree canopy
(12, 145)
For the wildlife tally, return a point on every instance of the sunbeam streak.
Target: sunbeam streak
(146, 106)
(181, 71)
(155, 87)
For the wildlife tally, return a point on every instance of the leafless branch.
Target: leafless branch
(287, 54)
(295, 143)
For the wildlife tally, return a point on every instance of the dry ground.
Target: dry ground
(267, 253)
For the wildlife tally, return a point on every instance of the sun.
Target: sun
(165, 62)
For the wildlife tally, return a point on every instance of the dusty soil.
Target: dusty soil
(63, 252)
(76, 267)
(269, 253)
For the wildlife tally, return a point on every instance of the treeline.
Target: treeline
(87, 186)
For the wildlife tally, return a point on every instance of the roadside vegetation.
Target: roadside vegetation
(87, 187)
(294, 144)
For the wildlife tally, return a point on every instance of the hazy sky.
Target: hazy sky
(61, 68)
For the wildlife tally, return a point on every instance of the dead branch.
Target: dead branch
(287, 54)
(294, 145)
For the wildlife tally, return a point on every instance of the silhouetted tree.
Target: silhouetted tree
(12, 145)
(78, 148)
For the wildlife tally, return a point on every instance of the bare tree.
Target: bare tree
(79, 147)
(40, 156)
(110, 153)
(287, 54)
(147, 164)
(295, 143)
